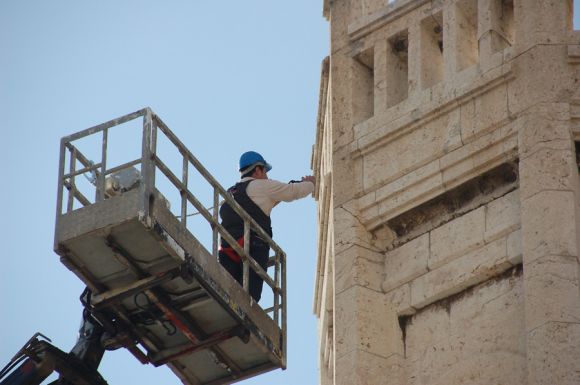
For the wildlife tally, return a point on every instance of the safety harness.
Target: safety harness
(234, 224)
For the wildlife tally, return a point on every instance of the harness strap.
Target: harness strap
(231, 253)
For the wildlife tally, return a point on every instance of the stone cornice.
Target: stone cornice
(320, 121)
(368, 24)
(429, 178)
(441, 177)
(326, 9)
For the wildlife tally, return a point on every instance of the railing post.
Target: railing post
(216, 203)
(246, 264)
(284, 306)
(276, 288)
(73, 187)
(183, 192)
(147, 168)
(60, 179)
(153, 144)
(100, 195)
(152, 149)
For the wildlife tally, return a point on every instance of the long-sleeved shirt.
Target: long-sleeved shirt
(267, 193)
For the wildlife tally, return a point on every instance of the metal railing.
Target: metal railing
(150, 162)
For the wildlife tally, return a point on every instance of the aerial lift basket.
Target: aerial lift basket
(161, 293)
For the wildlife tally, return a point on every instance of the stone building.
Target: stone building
(447, 171)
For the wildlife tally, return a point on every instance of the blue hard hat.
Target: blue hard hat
(252, 158)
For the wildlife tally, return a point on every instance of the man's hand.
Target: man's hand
(309, 178)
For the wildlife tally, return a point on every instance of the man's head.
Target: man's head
(254, 165)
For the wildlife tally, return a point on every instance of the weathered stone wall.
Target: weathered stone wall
(474, 338)
(448, 193)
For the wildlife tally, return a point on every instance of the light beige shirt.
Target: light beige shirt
(267, 193)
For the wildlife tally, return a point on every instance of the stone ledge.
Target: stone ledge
(502, 216)
(466, 271)
(433, 179)
(368, 24)
(471, 269)
(574, 54)
(457, 237)
(406, 262)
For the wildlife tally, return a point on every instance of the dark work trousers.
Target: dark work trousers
(259, 250)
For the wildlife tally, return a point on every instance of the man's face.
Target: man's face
(260, 173)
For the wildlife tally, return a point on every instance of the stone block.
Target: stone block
(453, 174)
(542, 74)
(410, 151)
(552, 286)
(475, 338)
(549, 225)
(400, 300)
(363, 8)
(514, 248)
(542, 22)
(545, 125)
(449, 56)
(467, 116)
(429, 357)
(573, 51)
(453, 137)
(414, 62)
(367, 200)
(548, 169)
(358, 266)
(347, 177)
(502, 216)
(492, 61)
(553, 350)
(345, 323)
(478, 80)
(418, 176)
(457, 237)
(348, 225)
(479, 155)
(410, 196)
(487, 111)
(380, 76)
(339, 22)
(487, 331)
(362, 368)
(364, 321)
(470, 269)
(340, 108)
(406, 262)
(491, 305)
(510, 143)
(494, 145)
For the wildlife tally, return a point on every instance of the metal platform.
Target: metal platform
(165, 295)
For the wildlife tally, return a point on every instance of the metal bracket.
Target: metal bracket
(186, 269)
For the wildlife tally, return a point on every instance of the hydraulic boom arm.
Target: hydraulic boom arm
(38, 358)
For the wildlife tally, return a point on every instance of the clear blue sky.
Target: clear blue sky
(226, 76)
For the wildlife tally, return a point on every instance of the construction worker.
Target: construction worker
(257, 195)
